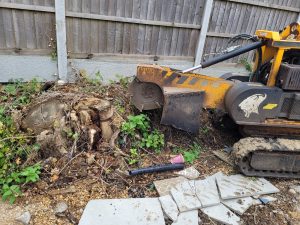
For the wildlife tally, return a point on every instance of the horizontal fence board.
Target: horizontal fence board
(269, 4)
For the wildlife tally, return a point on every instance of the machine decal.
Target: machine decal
(270, 106)
(252, 103)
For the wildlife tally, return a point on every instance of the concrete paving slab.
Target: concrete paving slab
(221, 214)
(187, 218)
(185, 197)
(133, 211)
(207, 192)
(189, 173)
(238, 186)
(169, 207)
(214, 176)
(239, 205)
(163, 187)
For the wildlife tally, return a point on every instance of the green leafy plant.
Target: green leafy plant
(31, 173)
(134, 156)
(124, 81)
(191, 154)
(94, 81)
(135, 124)
(97, 80)
(10, 192)
(11, 89)
(15, 146)
(137, 128)
(154, 140)
(11, 184)
(20, 93)
(71, 134)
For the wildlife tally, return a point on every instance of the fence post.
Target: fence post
(61, 39)
(203, 31)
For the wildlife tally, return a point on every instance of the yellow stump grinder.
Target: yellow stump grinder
(265, 105)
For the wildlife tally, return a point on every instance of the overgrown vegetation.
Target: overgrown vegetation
(97, 79)
(122, 80)
(137, 129)
(191, 153)
(15, 147)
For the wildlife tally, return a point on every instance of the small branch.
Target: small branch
(152, 154)
(70, 161)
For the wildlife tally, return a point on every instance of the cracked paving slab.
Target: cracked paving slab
(238, 186)
(187, 218)
(207, 191)
(185, 197)
(163, 187)
(169, 207)
(221, 214)
(239, 205)
(133, 211)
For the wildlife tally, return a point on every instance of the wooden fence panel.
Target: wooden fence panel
(25, 30)
(230, 18)
(97, 36)
(138, 27)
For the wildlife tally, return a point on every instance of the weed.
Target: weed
(136, 123)
(20, 93)
(154, 141)
(134, 156)
(14, 145)
(11, 89)
(137, 128)
(71, 134)
(92, 84)
(98, 78)
(119, 105)
(191, 154)
(11, 184)
(246, 64)
(95, 81)
(124, 81)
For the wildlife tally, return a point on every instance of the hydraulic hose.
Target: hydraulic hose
(158, 168)
(228, 55)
